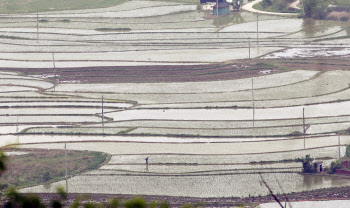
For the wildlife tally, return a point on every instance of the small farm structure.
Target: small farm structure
(208, 6)
(221, 8)
(318, 166)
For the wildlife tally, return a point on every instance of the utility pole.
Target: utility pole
(339, 144)
(249, 46)
(17, 125)
(37, 24)
(54, 70)
(53, 62)
(17, 131)
(65, 158)
(103, 129)
(304, 125)
(253, 104)
(257, 31)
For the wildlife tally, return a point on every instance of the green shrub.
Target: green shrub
(344, 19)
(347, 153)
(334, 167)
(135, 203)
(266, 3)
(295, 133)
(282, 5)
(64, 20)
(46, 176)
(307, 164)
(113, 203)
(317, 9)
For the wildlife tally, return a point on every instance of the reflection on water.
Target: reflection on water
(312, 181)
(309, 181)
(312, 28)
(235, 18)
(196, 185)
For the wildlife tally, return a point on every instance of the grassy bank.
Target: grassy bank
(340, 2)
(39, 166)
(279, 6)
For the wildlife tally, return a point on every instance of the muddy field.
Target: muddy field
(237, 69)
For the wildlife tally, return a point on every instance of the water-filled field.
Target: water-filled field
(310, 204)
(200, 186)
(211, 102)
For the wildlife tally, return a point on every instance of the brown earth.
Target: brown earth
(184, 73)
(334, 15)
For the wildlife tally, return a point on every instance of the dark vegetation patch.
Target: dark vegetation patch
(42, 166)
(276, 6)
(104, 29)
(12, 37)
(43, 20)
(64, 20)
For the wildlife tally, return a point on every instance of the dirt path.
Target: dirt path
(249, 7)
(294, 5)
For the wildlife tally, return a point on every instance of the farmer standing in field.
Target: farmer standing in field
(146, 160)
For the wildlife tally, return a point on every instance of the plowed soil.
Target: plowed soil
(185, 73)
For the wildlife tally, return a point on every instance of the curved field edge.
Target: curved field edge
(40, 166)
(22, 6)
(339, 193)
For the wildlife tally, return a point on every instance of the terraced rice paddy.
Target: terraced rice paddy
(300, 88)
(202, 186)
(310, 204)
(210, 101)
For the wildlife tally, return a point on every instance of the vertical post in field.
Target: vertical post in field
(37, 24)
(54, 70)
(253, 104)
(65, 158)
(53, 62)
(17, 130)
(249, 46)
(103, 129)
(17, 125)
(257, 31)
(339, 144)
(304, 125)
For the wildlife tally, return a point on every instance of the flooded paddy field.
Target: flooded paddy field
(211, 102)
(310, 204)
(195, 185)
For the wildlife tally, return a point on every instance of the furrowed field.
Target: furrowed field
(211, 101)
